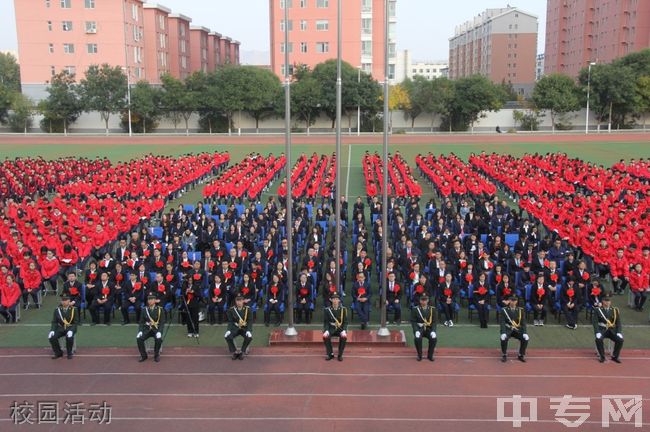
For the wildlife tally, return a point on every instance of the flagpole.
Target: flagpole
(383, 330)
(291, 329)
(337, 185)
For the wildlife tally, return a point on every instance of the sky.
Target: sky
(423, 26)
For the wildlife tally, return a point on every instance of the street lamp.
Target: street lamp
(128, 96)
(588, 91)
(359, 103)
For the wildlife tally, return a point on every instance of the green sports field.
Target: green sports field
(33, 327)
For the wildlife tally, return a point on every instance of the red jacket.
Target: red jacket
(49, 268)
(9, 294)
(32, 279)
(639, 281)
(619, 267)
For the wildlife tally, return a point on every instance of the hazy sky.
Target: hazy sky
(423, 26)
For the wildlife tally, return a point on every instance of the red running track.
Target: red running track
(276, 389)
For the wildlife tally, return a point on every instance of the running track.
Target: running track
(275, 389)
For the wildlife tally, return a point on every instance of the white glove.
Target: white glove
(432, 335)
(158, 335)
(50, 335)
(504, 336)
(620, 335)
(599, 335)
(227, 334)
(139, 335)
(69, 334)
(525, 336)
(249, 334)
(417, 334)
(326, 334)
(344, 334)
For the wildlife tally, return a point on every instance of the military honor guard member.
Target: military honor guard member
(64, 324)
(335, 323)
(152, 321)
(513, 325)
(240, 323)
(607, 325)
(423, 321)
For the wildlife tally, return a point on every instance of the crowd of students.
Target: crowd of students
(402, 183)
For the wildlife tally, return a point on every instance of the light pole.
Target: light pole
(128, 97)
(588, 91)
(359, 103)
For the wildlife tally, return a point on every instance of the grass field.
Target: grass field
(32, 329)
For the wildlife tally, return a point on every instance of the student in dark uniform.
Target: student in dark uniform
(335, 323)
(152, 321)
(513, 324)
(240, 323)
(64, 324)
(607, 325)
(423, 321)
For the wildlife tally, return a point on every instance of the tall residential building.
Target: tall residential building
(146, 40)
(313, 30)
(582, 31)
(71, 35)
(157, 35)
(539, 69)
(500, 44)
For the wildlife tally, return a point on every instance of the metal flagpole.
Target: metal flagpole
(291, 329)
(337, 185)
(383, 330)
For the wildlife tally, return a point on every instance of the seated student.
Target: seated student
(102, 301)
(32, 284)
(9, 298)
(639, 285)
(393, 298)
(571, 301)
(447, 299)
(64, 324)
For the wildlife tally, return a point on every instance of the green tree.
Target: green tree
(104, 90)
(62, 106)
(305, 100)
(9, 72)
(558, 94)
(441, 99)
(417, 92)
(229, 97)
(5, 102)
(145, 108)
(472, 96)
(22, 112)
(261, 90)
(325, 74)
(178, 99)
(643, 97)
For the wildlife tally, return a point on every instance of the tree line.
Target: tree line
(619, 96)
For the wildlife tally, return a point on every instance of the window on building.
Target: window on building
(52, 70)
(68, 48)
(163, 59)
(366, 67)
(49, 26)
(392, 7)
(366, 48)
(66, 4)
(70, 70)
(182, 30)
(322, 3)
(282, 70)
(303, 3)
(66, 26)
(303, 25)
(366, 26)
(163, 41)
(282, 25)
(47, 3)
(303, 47)
(322, 47)
(392, 50)
(322, 25)
(161, 22)
(183, 46)
(391, 71)
(134, 11)
(289, 3)
(91, 27)
(366, 6)
(92, 48)
(282, 50)
(89, 4)
(51, 48)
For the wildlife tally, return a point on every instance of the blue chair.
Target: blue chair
(511, 239)
(188, 208)
(156, 232)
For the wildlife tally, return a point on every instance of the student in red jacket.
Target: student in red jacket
(639, 285)
(50, 269)
(9, 297)
(619, 268)
(31, 285)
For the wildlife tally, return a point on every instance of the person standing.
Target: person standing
(152, 321)
(423, 321)
(607, 325)
(335, 323)
(513, 325)
(64, 324)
